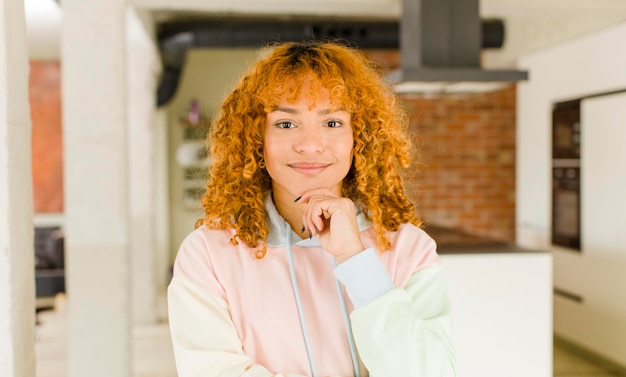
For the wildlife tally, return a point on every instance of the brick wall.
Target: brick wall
(467, 144)
(47, 152)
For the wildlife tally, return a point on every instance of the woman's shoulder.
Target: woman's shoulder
(412, 235)
(197, 256)
(204, 237)
(200, 246)
(209, 246)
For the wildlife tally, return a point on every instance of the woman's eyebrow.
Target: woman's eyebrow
(331, 111)
(288, 110)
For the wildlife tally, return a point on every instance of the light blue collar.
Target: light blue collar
(278, 231)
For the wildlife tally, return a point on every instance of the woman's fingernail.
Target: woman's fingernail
(303, 228)
(298, 198)
(310, 234)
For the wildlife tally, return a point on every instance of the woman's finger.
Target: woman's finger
(316, 213)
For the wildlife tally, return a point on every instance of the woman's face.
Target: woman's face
(307, 146)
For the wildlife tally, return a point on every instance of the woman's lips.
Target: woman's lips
(307, 168)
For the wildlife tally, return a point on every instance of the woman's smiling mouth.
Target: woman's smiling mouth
(309, 168)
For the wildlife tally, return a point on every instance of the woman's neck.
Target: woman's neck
(290, 210)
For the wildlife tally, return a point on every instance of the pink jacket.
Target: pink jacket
(232, 314)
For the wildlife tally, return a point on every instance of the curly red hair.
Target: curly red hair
(238, 181)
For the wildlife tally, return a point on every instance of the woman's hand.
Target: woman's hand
(333, 219)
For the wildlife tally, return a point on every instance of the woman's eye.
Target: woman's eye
(284, 125)
(333, 123)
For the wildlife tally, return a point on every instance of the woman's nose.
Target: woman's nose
(310, 140)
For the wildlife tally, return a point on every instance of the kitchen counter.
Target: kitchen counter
(453, 241)
(501, 298)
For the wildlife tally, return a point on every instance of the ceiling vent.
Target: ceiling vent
(440, 43)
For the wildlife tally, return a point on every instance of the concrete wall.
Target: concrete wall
(17, 275)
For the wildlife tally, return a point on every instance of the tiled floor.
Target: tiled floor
(153, 352)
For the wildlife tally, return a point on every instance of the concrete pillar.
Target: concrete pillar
(143, 68)
(93, 50)
(17, 261)
(162, 227)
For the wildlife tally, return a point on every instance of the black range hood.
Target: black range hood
(440, 43)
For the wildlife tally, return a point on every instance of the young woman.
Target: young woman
(309, 260)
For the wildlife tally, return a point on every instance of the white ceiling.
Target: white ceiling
(530, 24)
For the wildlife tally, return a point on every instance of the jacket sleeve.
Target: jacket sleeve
(204, 338)
(405, 331)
